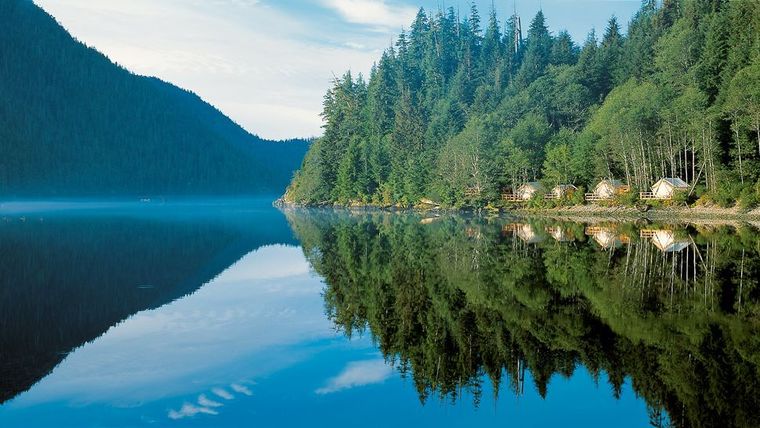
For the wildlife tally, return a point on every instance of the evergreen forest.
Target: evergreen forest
(462, 109)
(72, 123)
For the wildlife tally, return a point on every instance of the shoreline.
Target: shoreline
(598, 212)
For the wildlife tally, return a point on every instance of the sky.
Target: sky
(267, 63)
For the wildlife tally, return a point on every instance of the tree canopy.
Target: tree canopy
(675, 96)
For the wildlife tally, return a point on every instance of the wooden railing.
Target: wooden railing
(593, 197)
(511, 197)
(651, 195)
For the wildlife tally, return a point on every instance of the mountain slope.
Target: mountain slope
(72, 123)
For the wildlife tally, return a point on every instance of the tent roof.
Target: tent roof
(675, 182)
(533, 184)
(616, 183)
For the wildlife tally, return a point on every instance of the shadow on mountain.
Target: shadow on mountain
(452, 300)
(65, 280)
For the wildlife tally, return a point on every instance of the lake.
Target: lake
(240, 314)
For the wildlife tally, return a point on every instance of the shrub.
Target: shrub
(704, 200)
(748, 198)
(578, 197)
(655, 203)
(537, 201)
(725, 195)
(680, 198)
(699, 191)
(628, 198)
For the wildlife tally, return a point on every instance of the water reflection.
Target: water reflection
(65, 280)
(202, 354)
(461, 303)
(216, 319)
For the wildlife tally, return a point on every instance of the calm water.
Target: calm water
(243, 315)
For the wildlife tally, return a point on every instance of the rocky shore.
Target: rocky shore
(683, 212)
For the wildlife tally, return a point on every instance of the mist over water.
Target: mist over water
(137, 206)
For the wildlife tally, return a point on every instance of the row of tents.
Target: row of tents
(606, 189)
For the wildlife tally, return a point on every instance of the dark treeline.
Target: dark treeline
(460, 110)
(72, 123)
(67, 280)
(457, 300)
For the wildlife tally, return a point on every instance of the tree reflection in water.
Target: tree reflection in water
(452, 301)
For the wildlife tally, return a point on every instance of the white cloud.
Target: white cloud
(262, 64)
(373, 12)
(354, 45)
(207, 405)
(358, 373)
(241, 389)
(188, 410)
(270, 262)
(223, 393)
(207, 402)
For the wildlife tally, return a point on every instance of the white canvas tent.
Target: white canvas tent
(667, 187)
(562, 190)
(606, 189)
(527, 190)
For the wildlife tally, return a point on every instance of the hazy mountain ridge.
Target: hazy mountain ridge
(74, 123)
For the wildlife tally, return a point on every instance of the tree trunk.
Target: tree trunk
(693, 157)
(643, 159)
(757, 131)
(739, 145)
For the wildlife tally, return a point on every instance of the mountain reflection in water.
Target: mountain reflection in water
(455, 300)
(65, 279)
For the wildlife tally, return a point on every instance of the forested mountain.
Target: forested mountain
(460, 110)
(73, 123)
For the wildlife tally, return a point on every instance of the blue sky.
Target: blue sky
(267, 63)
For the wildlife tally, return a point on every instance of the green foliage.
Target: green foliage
(675, 97)
(727, 195)
(627, 198)
(558, 165)
(578, 197)
(538, 200)
(73, 124)
(680, 198)
(462, 167)
(748, 198)
(498, 297)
